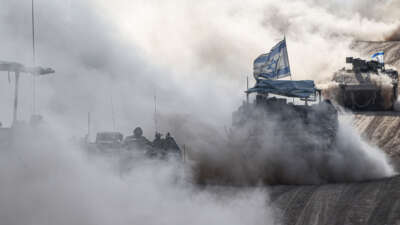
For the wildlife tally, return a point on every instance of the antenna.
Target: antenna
(247, 88)
(33, 34)
(15, 112)
(155, 111)
(33, 59)
(112, 111)
(88, 127)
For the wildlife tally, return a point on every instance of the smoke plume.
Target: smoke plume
(46, 180)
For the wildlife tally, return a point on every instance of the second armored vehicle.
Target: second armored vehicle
(367, 86)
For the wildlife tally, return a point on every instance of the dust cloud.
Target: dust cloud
(46, 180)
(246, 157)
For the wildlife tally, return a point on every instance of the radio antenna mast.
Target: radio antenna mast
(33, 59)
(155, 111)
(33, 34)
(88, 127)
(112, 111)
(247, 89)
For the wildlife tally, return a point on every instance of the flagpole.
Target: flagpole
(247, 89)
(284, 38)
(155, 111)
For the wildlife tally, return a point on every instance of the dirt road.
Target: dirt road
(376, 202)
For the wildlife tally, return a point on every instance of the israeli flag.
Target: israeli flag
(273, 65)
(378, 57)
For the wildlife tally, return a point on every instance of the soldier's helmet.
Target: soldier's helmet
(138, 132)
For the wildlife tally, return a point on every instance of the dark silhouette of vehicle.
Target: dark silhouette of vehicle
(305, 126)
(109, 140)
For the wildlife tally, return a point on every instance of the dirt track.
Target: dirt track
(376, 202)
(381, 129)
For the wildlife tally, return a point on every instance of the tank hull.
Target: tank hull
(366, 97)
(306, 127)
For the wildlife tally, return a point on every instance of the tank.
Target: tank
(367, 86)
(264, 134)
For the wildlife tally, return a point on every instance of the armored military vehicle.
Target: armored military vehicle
(269, 131)
(114, 143)
(278, 111)
(111, 140)
(287, 120)
(366, 86)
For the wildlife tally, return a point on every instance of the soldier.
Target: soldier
(137, 140)
(170, 145)
(157, 147)
(158, 142)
